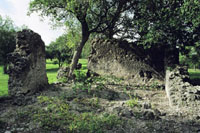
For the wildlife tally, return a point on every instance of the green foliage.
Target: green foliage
(93, 16)
(133, 102)
(56, 114)
(194, 74)
(7, 39)
(60, 50)
(167, 23)
(82, 86)
(100, 16)
(91, 123)
(191, 57)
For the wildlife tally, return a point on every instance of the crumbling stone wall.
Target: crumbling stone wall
(179, 90)
(123, 60)
(27, 64)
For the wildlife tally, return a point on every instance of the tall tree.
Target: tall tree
(170, 24)
(94, 16)
(60, 50)
(7, 39)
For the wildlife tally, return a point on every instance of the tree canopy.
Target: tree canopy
(94, 16)
(60, 50)
(167, 24)
(171, 23)
(7, 39)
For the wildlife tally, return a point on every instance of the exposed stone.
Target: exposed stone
(179, 90)
(146, 105)
(126, 113)
(126, 61)
(106, 94)
(63, 72)
(27, 65)
(148, 115)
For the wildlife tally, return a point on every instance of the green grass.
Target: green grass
(51, 74)
(3, 83)
(51, 71)
(194, 74)
(84, 63)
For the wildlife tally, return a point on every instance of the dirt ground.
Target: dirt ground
(144, 111)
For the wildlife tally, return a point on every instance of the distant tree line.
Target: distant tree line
(7, 40)
(8, 32)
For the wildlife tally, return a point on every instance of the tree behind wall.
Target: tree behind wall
(94, 16)
(60, 50)
(7, 40)
(171, 25)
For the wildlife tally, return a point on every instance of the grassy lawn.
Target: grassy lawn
(84, 63)
(51, 71)
(51, 74)
(3, 83)
(194, 74)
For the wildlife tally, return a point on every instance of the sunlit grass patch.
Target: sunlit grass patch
(3, 83)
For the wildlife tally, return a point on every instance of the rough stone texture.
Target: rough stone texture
(63, 72)
(179, 91)
(27, 65)
(123, 60)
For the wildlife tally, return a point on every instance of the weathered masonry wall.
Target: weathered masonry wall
(27, 64)
(123, 60)
(179, 91)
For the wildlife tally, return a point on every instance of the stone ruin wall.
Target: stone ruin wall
(123, 60)
(27, 65)
(137, 67)
(179, 90)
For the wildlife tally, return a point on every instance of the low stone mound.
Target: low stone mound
(63, 72)
(179, 90)
(27, 65)
(123, 60)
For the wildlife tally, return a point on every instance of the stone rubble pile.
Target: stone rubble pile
(179, 90)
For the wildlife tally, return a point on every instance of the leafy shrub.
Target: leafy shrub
(80, 76)
(133, 102)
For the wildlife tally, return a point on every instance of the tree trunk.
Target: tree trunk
(5, 68)
(59, 63)
(171, 59)
(77, 55)
(85, 37)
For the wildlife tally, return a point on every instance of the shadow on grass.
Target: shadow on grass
(195, 78)
(52, 70)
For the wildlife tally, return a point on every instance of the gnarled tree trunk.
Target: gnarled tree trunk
(77, 53)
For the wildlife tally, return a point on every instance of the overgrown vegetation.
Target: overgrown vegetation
(55, 114)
